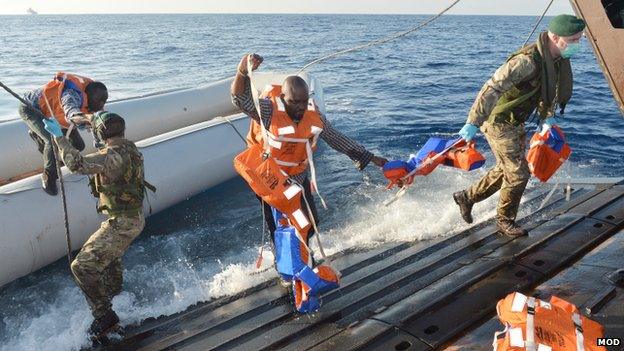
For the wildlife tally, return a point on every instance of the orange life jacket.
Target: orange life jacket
(465, 157)
(50, 100)
(287, 140)
(548, 151)
(268, 165)
(536, 325)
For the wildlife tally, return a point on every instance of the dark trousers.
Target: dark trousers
(270, 221)
(35, 123)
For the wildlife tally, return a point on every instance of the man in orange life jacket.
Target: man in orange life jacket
(69, 99)
(294, 101)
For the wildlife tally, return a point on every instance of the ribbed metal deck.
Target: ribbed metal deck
(411, 296)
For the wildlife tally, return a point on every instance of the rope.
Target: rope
(539, 20)
(240, 135)
(58, 171)
(379, 41)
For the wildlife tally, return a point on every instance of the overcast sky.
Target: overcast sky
(486, 7)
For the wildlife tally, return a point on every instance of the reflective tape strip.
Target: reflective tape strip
(301, 219)
(535, 143)
(542, 347)
(292, 191)
(515, 337)
(530, 324)
(497, 335)
(316, 130)
(267, 89)
(285, 163)
(545, 304)
(280, 104)
(293, 140)
(275, 144)
(286, 130)
(518, 302)
(578, 329)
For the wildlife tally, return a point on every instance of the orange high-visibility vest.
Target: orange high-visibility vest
(287, 139)
(268, 165)
(50, 100)
(536, 325)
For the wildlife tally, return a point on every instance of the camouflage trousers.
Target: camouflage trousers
(97, 267)
(511, 172)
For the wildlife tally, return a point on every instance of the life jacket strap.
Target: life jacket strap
(578, 330)
(530, 325)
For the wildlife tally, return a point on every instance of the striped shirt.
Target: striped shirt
(332, 137)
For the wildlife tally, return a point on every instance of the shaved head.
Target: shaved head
(294, 85)
(295, 95)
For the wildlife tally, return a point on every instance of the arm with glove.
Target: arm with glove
(98, 162)
(516, 70)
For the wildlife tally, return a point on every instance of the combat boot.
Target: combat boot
(510, 228)
(49, 183)
(104, 325)
(465, 205)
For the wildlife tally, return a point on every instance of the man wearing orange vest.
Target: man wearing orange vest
(68, 98)
(290, 117)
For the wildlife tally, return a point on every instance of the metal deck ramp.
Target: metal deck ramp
(407, 296)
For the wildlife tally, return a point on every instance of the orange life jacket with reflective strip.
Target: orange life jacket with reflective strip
(536, 325)
(50, 100)
(548, 151)
(268, 171)
(287, 139)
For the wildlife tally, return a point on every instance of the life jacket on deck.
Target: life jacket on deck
(435, 152)
(536, 325)
(293, 261)
(547, 152)
(50, 100)
(284, 150)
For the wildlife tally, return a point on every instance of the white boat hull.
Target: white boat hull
(145, 117)
(181, 164)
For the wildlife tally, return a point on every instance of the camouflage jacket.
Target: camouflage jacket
(514, 72)
(119, 176)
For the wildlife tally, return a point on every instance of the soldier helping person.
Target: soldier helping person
(118, 181)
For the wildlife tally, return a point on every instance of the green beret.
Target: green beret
(566, 25)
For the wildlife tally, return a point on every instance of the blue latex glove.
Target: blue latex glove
(53, 127)
(549, 122)
(468, 132)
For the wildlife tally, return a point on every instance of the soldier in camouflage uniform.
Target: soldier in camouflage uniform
(538, 76)
(118, 181)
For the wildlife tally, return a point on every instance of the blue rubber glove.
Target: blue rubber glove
(53, 127)
(468, 132)
(549, 122)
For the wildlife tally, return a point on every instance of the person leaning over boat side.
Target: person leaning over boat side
(537, 76)
(70, 99)
(294, 98)
(120, 185)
